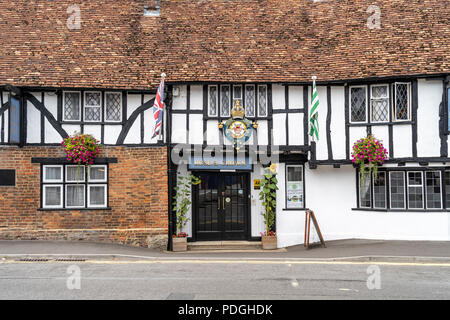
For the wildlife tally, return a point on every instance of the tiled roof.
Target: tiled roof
(219, 40)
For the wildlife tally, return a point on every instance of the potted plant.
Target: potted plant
(181, 204)
(368, 153)
(268, 195)
(81, 149)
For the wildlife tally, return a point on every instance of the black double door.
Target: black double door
(221, 203)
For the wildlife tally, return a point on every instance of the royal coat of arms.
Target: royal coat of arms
(238, 129)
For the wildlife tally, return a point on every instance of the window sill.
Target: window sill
(294, 209)
(74, 209)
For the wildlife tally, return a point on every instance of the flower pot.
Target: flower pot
(179, 244)
(269, 242)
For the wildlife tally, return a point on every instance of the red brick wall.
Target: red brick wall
(138, 198)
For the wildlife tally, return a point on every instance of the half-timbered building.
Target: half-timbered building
(95, 68)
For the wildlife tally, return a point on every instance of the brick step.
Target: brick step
(224, 245)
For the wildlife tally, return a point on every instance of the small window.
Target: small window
(415, 190)
(97, 195)
(294, 187)
(433, 189)
(225, 99)
(262, 101)
(379, 191)
(52, 196)
(447, 189)
(397, 189)
(92, 106)
(402, 101)
(379, 103)
(71, 106)
(237, 94)
(358, 104)
(75, 195)
(250, 101)
(97, 174)
(364, 191)
(75, 173)
(212, 101)
(113, 106)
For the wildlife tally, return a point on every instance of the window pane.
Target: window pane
(237, 95)
(250, 101)
(294, 174)
(52, 196)
(75, 195)
(53, 173)
(75, 173)
(397, 186)
(262, 101)
(380, 103)
(92, 99)
(401, 101)
(358, 104)
(364, 192)
(97, 173)
(72, 106)
(225, 101)
(92, 108)
(113, 106)
(379, 191)
(447, 189)
(415, 197)
(97, 196)
(433, 189)
(212, 105)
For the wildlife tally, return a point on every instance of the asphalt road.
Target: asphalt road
(200, 280)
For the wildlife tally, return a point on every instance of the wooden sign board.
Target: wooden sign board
(309, 215)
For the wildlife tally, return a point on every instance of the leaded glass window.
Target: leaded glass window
(447, 189)
(237, 94)
(401, 101)
(397, 189)
(71, 106)
(358, 104)
(379, 101)
(379, 191)
(364, 191)
(225, 101)
(113, 106)
(212, 101)
(92, 106)
(415, 190)
(250, 101)
(262, 101)
(433, 189)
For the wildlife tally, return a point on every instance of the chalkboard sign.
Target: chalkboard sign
(7, 177)
(309, 215)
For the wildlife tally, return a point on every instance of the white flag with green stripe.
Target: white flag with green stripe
(314, 113)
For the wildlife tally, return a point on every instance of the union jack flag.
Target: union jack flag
(158, 107)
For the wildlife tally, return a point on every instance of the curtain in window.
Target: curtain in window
(52, 195)
(75, 196)
(97, 195)
(97, 173)
(75, 173)
(53, 173)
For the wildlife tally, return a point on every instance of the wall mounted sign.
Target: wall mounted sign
(294, 194)
(218, 163)
(256, 184)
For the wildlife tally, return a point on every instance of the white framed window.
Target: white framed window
(97, 195)
(250, 101)
(52, 196)
(113, 107)
(52, 173)
(364, 191)
(74, 187)
(237, 94)
(98, 173)
(71, 106)
(402, 101)
(225, 101)
(379, 191)
(294, 187)
(74, 194)
(358, 104)
(397, 190)
(75, 173)
(415, 190)
(433, 189)
(262, 100)
(213, 103)
(92, 106)
(379, 103)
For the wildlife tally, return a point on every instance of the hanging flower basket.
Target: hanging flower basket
(81, 149)
(369, 152)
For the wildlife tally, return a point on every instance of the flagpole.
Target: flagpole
(314, 78)
(163, 77)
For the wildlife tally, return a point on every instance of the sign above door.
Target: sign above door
(220, 163)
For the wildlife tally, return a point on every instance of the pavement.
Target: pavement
(352, 250)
